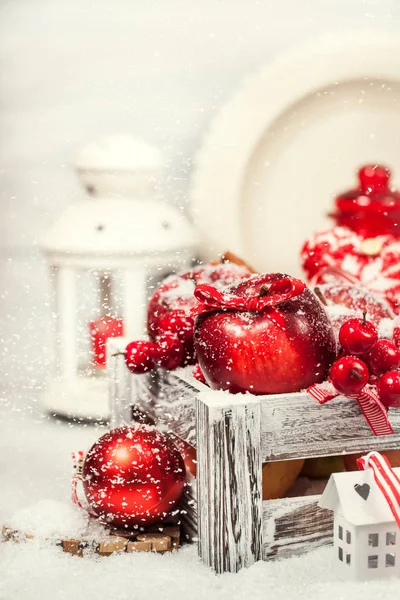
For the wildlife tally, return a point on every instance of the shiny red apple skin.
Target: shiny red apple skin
(388, 388)
(174, 297)
(247, 352)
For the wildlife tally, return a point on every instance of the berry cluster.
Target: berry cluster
(166, 351)
(367, 359)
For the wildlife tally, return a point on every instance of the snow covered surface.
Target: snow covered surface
(35, 464)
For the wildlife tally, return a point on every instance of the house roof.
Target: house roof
(340, 496)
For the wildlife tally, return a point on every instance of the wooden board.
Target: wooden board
(175, 406)
(229, 489)
(188, 511)
(337, 427)
(296, 426)
(293, 526)
(160, 539)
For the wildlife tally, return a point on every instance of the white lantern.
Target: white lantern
(113, 243)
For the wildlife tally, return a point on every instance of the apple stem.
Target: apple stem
(264, 291)
(119, 354)
(230, 257)
(320, 296)
(364, 319)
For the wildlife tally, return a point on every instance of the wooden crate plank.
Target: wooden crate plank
(296, 426)
(293, 526)
(188, 511)
(228, 481)
(175, 405)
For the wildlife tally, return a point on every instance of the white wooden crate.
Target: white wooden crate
(234, 435)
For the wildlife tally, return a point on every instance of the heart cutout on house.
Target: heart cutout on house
(363, 490)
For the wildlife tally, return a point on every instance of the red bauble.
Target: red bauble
(388, 388)
(282, 346)
(358, 336)
(349, 375)
(170, 351)
(383, 357)
(133, 476)
(174, 298)
(140, 356)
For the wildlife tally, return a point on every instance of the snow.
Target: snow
(36, 467)
(50, 519)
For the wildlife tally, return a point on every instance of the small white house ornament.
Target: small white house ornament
(366, 506)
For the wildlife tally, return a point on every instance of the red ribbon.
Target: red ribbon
(281, 289)
(385, 478)
(78, 460)
(371, 407)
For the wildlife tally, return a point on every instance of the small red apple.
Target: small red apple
(349, 375)
(267, 335)
(358, 336)
(170, 307)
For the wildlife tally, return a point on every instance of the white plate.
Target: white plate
(290, 140)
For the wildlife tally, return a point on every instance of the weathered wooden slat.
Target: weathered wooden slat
(292, 426)
(293, 526)
(296, 426)
(175, 405)
(228, 481)
(188, 506)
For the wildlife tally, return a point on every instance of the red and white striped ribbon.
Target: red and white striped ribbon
(385, 478)
(78, 460)
(372, 408)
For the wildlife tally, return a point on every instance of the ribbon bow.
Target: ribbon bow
(372, 408)
(263, 297)
(78, 459)
(385, 478)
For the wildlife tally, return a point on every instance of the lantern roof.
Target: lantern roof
(112, 226)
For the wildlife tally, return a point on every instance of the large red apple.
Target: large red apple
(174, 298)
(268, 334)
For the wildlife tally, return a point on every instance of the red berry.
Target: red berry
(140, 356)
(178, 325)
(358, 336)
(388, 388)
(170, 351)
(198, 374)
(383, 357)
(349, 375)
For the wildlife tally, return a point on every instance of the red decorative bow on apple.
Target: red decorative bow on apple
(263, 294)
(372, 408)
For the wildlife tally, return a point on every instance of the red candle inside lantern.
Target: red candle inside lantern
(100, 330)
